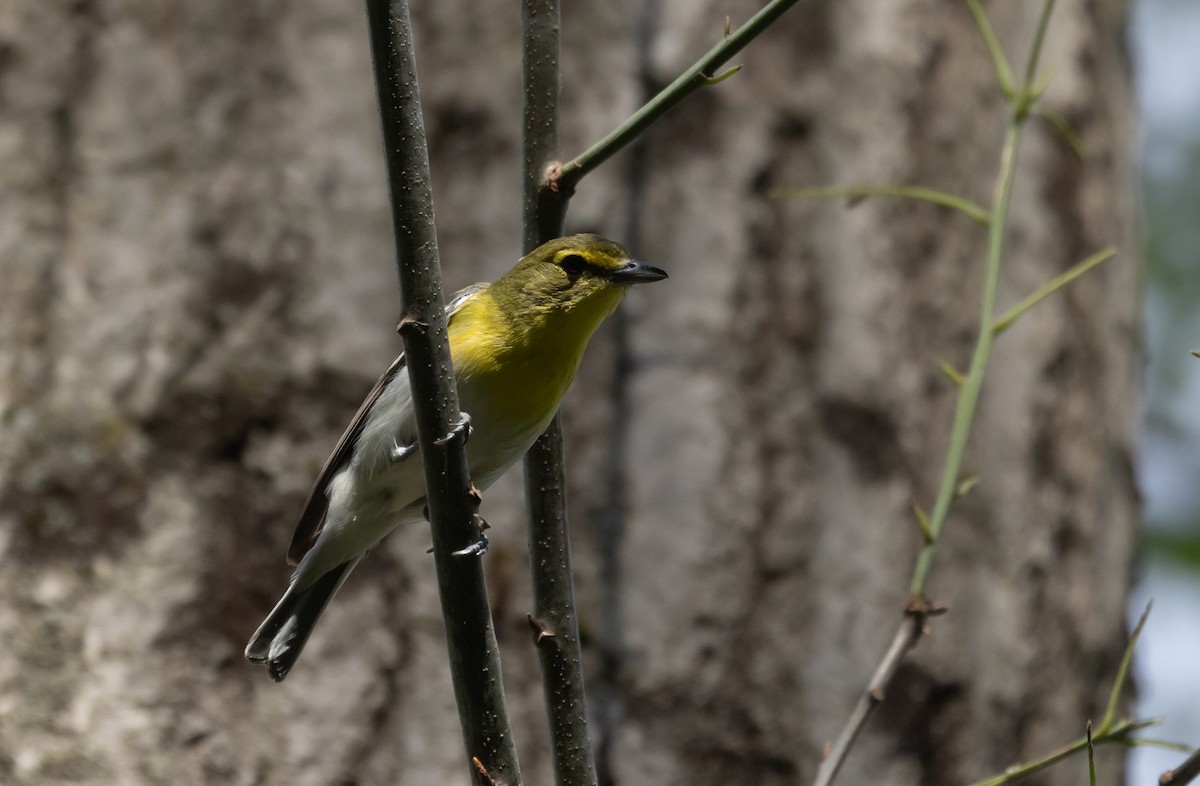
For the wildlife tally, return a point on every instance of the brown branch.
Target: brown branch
(910, 632)
(1183, 774)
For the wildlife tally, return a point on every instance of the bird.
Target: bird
(515, 345)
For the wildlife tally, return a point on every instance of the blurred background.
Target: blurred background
(197, 288)
(1163, 37)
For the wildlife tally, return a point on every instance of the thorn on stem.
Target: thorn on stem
(923, 607)
(923, 522)
(485, 777)
(541, 631)
(728, 27)
(721, 77)
(409, 325)
(953, 374)
(964, 487)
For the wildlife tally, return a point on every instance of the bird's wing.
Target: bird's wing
(313, 517)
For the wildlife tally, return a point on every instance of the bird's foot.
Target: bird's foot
(480, 546)
(476, 549)
(462, 427)
(400, 452)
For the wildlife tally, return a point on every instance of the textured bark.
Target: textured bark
(197, 288)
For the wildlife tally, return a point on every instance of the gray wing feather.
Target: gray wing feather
(308, 529)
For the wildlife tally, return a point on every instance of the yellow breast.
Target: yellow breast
(514, 370)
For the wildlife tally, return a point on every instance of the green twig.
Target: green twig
(968, 393)
(1114, 696)
(1035, 51)
(1109, 729)
(918, 608)
(952, 374)
(976, 213)
(470, 635)
(1120, 734)
(1091, 749)
(966, 486)
(701, 74)
(1060, 124)
(1166, 745)
(999, 61)
(1005, 321)
(922, 521)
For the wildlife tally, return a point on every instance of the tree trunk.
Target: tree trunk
(197, 290)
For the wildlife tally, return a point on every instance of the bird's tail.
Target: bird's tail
(282, 635)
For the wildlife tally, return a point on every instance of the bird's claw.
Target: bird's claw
(463, 427)
(400, 452)
(476, 549)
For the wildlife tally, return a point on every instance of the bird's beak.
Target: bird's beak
(635, 272)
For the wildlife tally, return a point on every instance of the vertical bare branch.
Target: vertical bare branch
(555, 620)
(471, 639)
(544, 208)
(548, 187)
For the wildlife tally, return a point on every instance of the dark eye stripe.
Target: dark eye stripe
(576, 264)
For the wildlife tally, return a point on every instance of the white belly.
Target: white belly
(375, 493)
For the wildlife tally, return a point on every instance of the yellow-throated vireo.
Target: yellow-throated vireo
(515, 344)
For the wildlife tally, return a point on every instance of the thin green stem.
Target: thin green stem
(701, 74)
(1091, 749)
(1109, 730)
(1120, 734)
(918, 609)
(1006, 320)
(999, 61)
(1060, 124)
(1166, 745)
(1035, 51)
(973, 211)
(968, 392)
(1114, 697)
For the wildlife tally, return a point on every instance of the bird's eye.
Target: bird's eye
(573, 264)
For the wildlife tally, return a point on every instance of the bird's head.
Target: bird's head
(578, 275)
